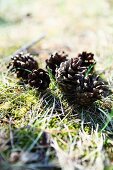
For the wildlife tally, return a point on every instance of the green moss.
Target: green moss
(15, 100)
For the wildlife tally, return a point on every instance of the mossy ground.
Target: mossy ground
(80, 138)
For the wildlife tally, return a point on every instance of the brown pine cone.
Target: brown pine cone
(55, 60)
(39, 79)
(22, 64)
(87, 59)
(72, 79)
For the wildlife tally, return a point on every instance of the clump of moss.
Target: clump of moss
(15, 101)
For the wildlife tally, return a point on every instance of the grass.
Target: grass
(78, 135)
(42, 129)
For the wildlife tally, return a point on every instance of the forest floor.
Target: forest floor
(34, 134)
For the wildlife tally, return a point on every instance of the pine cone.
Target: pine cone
(55, 60)
(22, 64)
(39, 79)
(87, 59)
(72, 79)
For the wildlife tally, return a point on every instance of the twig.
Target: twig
(25, 47)
(11, 134)
(29, 45)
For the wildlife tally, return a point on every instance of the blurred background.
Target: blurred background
(71, 25)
